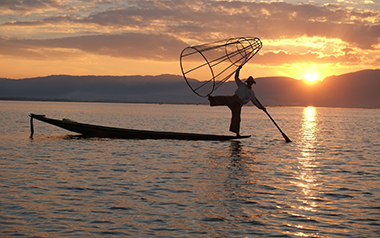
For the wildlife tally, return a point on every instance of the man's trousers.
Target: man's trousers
(234, 104)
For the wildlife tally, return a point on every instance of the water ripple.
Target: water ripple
(324, 184)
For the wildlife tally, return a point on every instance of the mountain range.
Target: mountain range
(359, 89)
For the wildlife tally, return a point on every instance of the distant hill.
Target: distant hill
(141, 89)
(359, 89)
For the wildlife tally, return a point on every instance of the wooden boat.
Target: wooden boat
(89, 130)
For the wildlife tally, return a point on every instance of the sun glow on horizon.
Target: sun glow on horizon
(310, 77)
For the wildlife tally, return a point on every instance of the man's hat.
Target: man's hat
(250, 79)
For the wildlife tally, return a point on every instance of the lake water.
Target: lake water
(326, 183)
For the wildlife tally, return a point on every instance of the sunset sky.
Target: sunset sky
(141, 37)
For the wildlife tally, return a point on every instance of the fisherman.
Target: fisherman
(243, 95)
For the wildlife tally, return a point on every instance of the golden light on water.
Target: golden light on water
(309, 123)
(308, 165)
(306, 174)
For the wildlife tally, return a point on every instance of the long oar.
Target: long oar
(283, 134)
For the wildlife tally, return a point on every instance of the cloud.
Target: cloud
(158, 30)
(25, 7)
(128, 45)
(280, 58)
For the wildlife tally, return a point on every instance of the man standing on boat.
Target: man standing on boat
(243, 95)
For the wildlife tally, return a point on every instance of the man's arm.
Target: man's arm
(237, 79)
(257, 103)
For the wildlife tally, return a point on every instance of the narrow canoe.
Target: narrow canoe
(89, 130)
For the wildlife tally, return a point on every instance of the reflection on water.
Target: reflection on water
(309, 129)
(308, 160)
(235, 148)
(307, 174)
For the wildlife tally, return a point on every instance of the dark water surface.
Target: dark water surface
(326, 183)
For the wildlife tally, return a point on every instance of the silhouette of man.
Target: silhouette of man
(243, 95)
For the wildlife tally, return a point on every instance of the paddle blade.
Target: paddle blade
(287, 140)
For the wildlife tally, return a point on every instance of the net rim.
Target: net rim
(208, 63)
(253, 42)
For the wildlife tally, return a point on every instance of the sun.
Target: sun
(310, 77)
